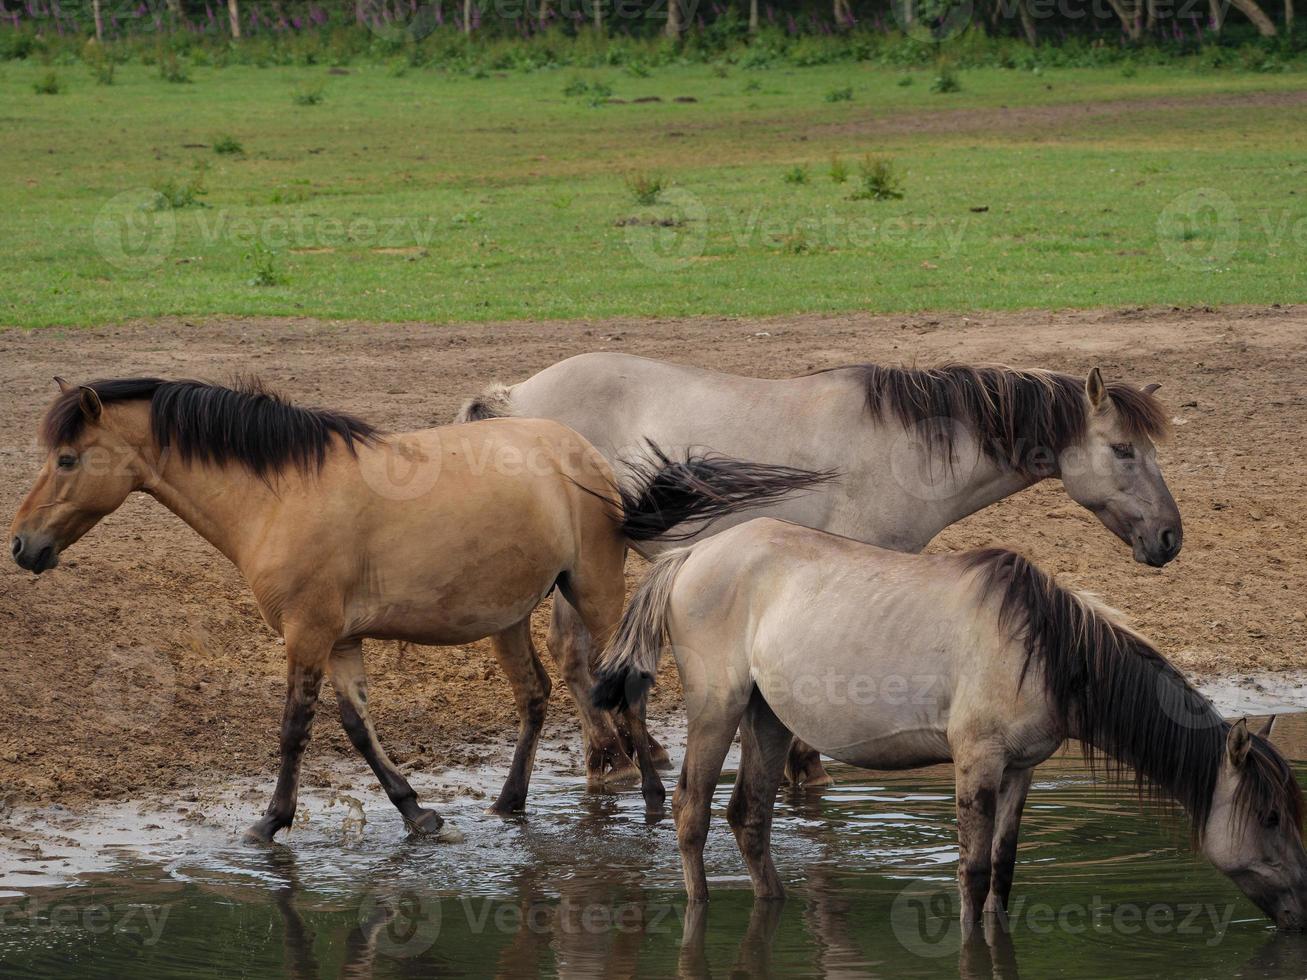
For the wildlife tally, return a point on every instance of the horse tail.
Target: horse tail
(667, 493)
(496, 402)
(629, 664)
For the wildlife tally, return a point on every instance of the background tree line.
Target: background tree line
(1037, 21)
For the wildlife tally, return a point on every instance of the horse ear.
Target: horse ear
(1238, 743)
(1150, 389)
(1265, 730)
(1094, 389)
(64, 386)
(91, 404)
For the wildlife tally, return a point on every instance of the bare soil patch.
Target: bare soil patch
(141, 663)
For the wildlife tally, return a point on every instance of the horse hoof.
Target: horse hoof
(814, 778)
(428, 823)
(622, 776)
(262, 832)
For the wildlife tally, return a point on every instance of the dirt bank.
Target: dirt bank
(141, 663)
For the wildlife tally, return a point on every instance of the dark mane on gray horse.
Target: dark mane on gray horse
(1021, 418)
(245, 424)
(1122, 699)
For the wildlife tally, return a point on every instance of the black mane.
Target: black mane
(1120, 697)
(1021, 418)
(245, 424)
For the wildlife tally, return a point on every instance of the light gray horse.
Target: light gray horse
(916, 450)
(894, 661)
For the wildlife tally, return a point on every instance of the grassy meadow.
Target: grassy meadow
(386, 193)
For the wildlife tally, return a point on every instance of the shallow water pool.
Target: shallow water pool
(586, 886)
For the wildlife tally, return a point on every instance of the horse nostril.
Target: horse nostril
(17, 547)
(1169, 540)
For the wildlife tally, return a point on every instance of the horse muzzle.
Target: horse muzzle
(35, 552)
(1159, 548)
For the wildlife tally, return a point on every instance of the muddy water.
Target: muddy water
(585, 886)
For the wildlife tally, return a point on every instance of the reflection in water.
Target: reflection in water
(586, 887)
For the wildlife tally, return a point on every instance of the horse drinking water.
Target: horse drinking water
(442, 536)
(917, 449)
(894, 661)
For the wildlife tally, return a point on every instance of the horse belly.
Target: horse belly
(875, 704)
(872, 736)
(442, 603)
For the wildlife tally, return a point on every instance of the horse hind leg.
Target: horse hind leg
(530, 682)
(708, 739)
(350, 681)
(607, 763)
(764, 746)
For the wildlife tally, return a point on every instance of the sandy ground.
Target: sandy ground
(141, 665)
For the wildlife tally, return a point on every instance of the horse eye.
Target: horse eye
(1123, 450)
(66, 461)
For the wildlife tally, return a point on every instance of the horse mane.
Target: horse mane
(1018, 416)
(1120, 697)
(246, 424)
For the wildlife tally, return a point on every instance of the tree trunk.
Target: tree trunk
(544, 12)
(1132, 18)
(753, 15)
(99, 20)
(599, 16)
(1216, 14)
(1288, 16)
(467, 16)
(234, 18)
(1152, 15)
(1254, 13)
(674, 24)
(1028, 22)
(843, 13)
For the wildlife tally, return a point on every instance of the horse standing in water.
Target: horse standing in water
(917, 450)
(979, 659)
(439, 537)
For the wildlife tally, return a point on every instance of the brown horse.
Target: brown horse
(442, 536)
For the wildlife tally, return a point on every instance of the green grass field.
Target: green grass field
(429, 196)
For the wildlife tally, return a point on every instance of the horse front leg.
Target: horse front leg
(350, 681)
(1007, 828)
(978, 778)
(305, 656)
(531, 685)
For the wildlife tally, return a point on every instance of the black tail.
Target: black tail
(666, 494)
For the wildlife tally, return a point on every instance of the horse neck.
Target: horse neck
(986, 484)
(958, 492)
(226, 505)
